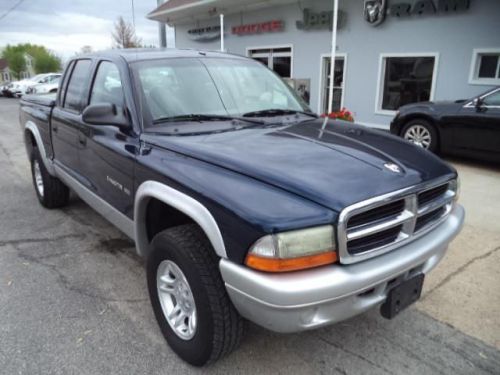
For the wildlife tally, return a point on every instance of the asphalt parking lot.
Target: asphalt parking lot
(73, 297)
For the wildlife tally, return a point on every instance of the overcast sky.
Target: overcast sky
(64, 26)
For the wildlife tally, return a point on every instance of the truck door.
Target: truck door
(107, 153)
(66, 116)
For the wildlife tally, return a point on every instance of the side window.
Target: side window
(75, 93)
(66, 75)
(492, 100)
(107, 86)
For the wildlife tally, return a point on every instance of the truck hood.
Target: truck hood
(334, 164)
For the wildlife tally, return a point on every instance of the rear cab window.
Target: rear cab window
(75, 98)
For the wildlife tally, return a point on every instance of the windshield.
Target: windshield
(211, 86)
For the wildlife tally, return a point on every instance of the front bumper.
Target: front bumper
(309, 299)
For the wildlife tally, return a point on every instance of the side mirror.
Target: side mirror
(105, 114)
(478, 103)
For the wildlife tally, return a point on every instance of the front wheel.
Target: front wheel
(189, 298)
(421, 133)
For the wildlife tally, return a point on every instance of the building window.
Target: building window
(278, 59)
(338, 83)
(404, 80)
(485, 68)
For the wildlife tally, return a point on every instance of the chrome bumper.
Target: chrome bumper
(309, 299)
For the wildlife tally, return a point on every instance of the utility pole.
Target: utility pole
(162, 31)
(222, 47)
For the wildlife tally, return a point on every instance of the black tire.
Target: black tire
(55, 194)
(433, 144)
(219, 327)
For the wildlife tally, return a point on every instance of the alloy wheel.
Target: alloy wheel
(176, 299)
(38, 177)
(418, 135)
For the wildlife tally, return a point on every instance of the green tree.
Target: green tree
(17, 63)
(44, 60)
(15, 59)
(47, 62)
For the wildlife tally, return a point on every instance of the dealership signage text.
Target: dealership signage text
(423, 7)
(257, 28)
(319, 20)
(203, 34)
(375, 11)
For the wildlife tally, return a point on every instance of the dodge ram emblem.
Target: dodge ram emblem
(392, 167)
(374, 11)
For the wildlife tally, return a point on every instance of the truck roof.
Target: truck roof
(136, 54)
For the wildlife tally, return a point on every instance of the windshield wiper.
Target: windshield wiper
(277, 112)
(202, 117)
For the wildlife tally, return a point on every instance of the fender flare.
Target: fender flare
(191, 207)
(30, 126)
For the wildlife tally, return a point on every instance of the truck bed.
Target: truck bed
(38, 110)
(45, 100)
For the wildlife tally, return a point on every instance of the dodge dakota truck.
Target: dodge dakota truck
(244, 204)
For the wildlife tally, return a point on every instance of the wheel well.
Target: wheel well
(161, 216)
(29, 141)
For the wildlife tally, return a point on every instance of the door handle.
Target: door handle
(54, 129)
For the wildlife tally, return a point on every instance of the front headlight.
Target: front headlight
(294, 250)
(455, 186)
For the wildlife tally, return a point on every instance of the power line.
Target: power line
(10, 10)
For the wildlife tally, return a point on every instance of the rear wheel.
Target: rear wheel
(51, 192)
(421, 133)
(189, 298)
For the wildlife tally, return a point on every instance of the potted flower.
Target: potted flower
(343, 115)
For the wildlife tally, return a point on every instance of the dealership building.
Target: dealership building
(389, 52)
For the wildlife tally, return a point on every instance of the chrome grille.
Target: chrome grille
(431, 194)
(381, 224)
(379, 213)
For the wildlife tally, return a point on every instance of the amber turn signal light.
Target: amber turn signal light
(290, 264)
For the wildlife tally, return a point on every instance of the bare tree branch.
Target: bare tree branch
(124, 35)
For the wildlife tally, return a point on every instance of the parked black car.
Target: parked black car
(468, 128)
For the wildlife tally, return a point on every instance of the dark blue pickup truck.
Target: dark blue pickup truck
(244, 204)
